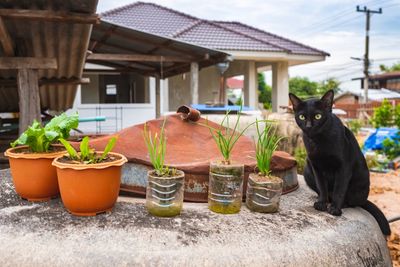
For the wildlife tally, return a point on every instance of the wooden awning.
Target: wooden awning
(128, 50)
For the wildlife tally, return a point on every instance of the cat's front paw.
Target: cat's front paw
(333, 210)
(320, 205)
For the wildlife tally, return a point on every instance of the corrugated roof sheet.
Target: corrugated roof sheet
(214, 34)
(67, 42)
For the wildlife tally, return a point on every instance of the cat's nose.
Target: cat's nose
(308, 124)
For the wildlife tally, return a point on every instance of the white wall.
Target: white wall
(118, 116)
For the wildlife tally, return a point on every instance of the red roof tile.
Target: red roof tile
(222, 35)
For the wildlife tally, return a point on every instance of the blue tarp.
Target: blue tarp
(375, 140)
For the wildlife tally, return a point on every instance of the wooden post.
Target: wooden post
(158, 98)
(29, 98)
(194, 82)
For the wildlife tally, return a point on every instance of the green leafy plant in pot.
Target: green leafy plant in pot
(263, 189)
(89, 181)
(31, 155)
(165, 185)
(226, 177)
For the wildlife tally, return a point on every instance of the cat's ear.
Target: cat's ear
(327, 99)
(295, 101)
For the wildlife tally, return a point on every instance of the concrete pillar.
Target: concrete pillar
(194, 82)
(251, 85)
(280, 86)
(164, 96)
(158, 98)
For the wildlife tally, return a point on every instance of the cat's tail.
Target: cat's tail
(378, 215)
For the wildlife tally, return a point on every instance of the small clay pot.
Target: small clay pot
(89, 189)
(225, 187)
(263, 193)
(164, 195)
(34, 178)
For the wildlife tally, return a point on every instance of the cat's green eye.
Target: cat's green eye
(302, 117)
(318, 116)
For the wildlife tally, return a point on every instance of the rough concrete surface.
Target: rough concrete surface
(45, 234)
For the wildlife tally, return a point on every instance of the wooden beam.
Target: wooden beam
(27, 63)
(52, 81)
(5, 40)
(49, 15)
(29, 98)
(136, 57)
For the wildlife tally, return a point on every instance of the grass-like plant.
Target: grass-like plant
(88, 155)
(157, 147)
(226, 138)
(267, 143)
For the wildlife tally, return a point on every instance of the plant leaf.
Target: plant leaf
(71, 151)
(109, 147)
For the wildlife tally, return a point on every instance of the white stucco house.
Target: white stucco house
(148, 59)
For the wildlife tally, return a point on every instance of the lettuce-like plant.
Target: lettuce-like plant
(39, 138)
(87, 154)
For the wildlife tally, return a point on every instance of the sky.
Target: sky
(331, 25)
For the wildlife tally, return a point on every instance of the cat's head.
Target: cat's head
(311, 114)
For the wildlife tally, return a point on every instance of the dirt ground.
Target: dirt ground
(385, 193)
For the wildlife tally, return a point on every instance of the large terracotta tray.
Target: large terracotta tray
(190, 148)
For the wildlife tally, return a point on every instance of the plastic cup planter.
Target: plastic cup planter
(263, 193)
(34, 178)
(89, 189)
(225, 187)
(164, 195)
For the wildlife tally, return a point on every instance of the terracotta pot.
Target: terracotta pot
(35, 179)
(89, 189)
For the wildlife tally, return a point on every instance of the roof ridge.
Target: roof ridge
(246, 35)
(117, 9)
(186, 28)
(275, 35)
(152, 4)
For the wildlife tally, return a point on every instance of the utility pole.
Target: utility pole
(368, 13)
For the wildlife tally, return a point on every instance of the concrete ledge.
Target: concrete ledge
(46, 235)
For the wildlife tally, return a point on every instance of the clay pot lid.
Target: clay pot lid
(190, 146)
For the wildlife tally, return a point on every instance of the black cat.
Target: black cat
(336, 168)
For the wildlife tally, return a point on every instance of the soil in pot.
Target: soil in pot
(34, 177)
(225, 187)
(263, 193)
(164, 195)
(89, 189)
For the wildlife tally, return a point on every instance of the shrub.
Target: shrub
(355, 125)
(391, 148)
(300, 155)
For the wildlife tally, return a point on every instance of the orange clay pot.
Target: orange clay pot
(35, 179)
(89, 189)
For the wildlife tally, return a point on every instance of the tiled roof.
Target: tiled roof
(221, 35)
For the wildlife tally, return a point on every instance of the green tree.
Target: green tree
(394, 67)
(303, 87)
(328, 84)
(264, 91)
(384, 115)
